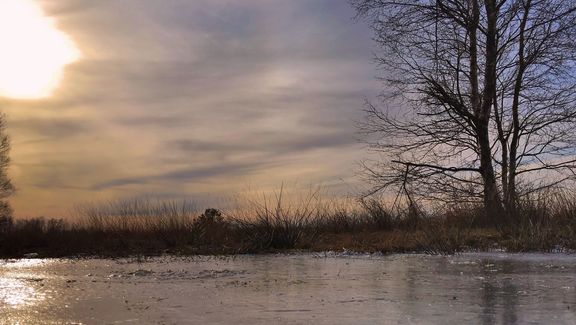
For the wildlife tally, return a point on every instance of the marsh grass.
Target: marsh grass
(271, 224)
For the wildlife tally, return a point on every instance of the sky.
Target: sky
(193, 99)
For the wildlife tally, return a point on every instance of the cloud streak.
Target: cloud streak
(185, 97)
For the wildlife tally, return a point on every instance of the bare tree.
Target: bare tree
(479, 99)
(6, 187)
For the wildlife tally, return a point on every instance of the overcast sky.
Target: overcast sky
(194, 99)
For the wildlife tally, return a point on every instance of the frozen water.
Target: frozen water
(327, 288)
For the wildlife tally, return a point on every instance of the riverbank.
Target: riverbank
(152, 229)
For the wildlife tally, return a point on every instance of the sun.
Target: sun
(33, 51)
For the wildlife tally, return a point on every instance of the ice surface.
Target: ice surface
(326, 288)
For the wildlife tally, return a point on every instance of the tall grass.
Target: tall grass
(273, 223)
(138, 215)
(145, 226)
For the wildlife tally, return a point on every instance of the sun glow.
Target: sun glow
(33, 52)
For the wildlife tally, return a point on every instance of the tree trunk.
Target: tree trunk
(492, 199)
(511, 198)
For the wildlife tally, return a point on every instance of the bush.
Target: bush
(211, 228)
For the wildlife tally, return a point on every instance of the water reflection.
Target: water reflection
(18, 283)
(16, 293)
(22, 263)
(510, 303)
(488, 303)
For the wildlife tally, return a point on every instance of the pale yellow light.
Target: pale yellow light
(33, 51)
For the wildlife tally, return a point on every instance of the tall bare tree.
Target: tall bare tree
(6, 187)
(480, 98)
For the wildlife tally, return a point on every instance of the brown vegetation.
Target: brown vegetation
(146, 228)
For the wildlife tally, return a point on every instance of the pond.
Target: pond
(322, 288)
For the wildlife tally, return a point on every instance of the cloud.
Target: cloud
(269, 142)
(190, 175)
(174, 93)
(49, 128)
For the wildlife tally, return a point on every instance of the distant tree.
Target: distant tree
(6, 187)
(480, 100)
